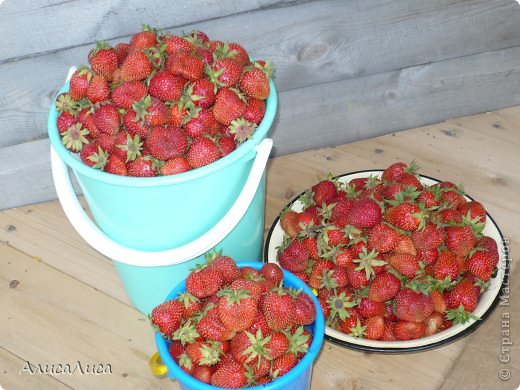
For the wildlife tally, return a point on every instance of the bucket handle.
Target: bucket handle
(110, 248)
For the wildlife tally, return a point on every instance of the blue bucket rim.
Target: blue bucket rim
(79, 167)
(279, 383)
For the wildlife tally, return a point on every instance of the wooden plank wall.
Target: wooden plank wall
(345, 70)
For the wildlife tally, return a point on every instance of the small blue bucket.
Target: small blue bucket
(299, 378)
(157, 228)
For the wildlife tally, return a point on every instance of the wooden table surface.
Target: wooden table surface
(62, 303)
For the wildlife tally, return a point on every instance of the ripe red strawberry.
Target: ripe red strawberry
(153, 111)
(142, 166)
(229, 105)
(106, 118)
(226, 145)
(181, 64)
(211, 328)
(460, 239)
(225, 265)
(176, 349)
(334, 237)
(203, 282)
(261, 324)
(430, 237)
(304, 309)
(201, 123)
(127, 147)
(405, 330)
(369, 308)
(356, 278)
(406, 216)
(404, 263)
(191, 304)
(323, 191)
(413, 306)
(254, 83)
(344, 258)
(375, 328)
(237, 309)
(428, 257)
(278, 308)
(272, 271)
(79, 82)
(75, 137)
(203, 151)
(450, 216)
(203, 373)
(388, 334)
(166, 142)
(382, 238)
(143, 39)
(394, 172)
(427, 198)
(121, 50)
(201, 92)
(65, 120)
(135, 67)
(365, 213)
(175, 43)
(229, 374)
(90, 155)
(255, 111)
(410, 180)
(462, 294)
(439, 304)
(489, 245)
(127, 93)
(277, 345)
(294, 257)
(135, 126)
(391, 189)
(203, 352)
(164, 86)
(240, 54)
(167, 317)
(434, 323)
(475, 210)
(225, 72)
(283, 365)
(175, 165)
(384, 287)
(405, 245)
(481, 265)
(103, 60)
(446, 266)
(98, 90)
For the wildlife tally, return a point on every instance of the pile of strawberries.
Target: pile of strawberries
(390, 258)
(162, 104)
(235, 327)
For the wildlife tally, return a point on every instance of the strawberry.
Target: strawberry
(365, 213)
(388, 333)
(439, 304)
(211, 328)
(413, 306)
(203, 282)
(225, 265)
(103, 60)
(79, 82)
(98, 90)
(390, 190)
(283, 365)
(229, 374)
(255, 111)
(106, 118)
(225, 72)
(226, 145)
(384, 287)
(344, 258)
(167, 317)
(356, 278)
(164, 86)
(135, 67)
(481, 265)
(428, 238)
(75, 137)
(153, 111)
(394, 172)
(460, 239)
(191, 304)
(382, 238)
(65, 120)
(277, 345)
(406, 216)
(201, 92)
(181, 64)
(294, 257)
(241, 130)
(176, 43)
(121, 50)
(201, 123)
(176, 349)
(240, 54)
(166, 142)
(463, 293)
(236, 309)
(175, 165)
(229, 105)
(434, 323)
(428, 257)
(278, 308)
(410, 180)
(427, 198)
(127, 148)
(254, 83)
(323, 191)
(135, 126)
(143, 39)
(203, 151)
(375, 328)
(203, 373)
(304, 309)
(405, 244)
(474, 210)
(446, 266)
(89, 155)
(142, 166)
(489, 245)
(405, 330)
(204, 352)
(127, 93)
(404, 263)
(272, 271)
(369, 308)
(450, 216)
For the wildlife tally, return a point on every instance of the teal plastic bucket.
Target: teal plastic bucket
(299, 378)
(155, 229)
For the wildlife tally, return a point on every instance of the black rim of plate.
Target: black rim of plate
(419, 348)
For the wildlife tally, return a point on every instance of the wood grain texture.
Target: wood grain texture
(60, 311)
(310, 43)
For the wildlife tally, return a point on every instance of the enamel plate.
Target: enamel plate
(487, 301)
